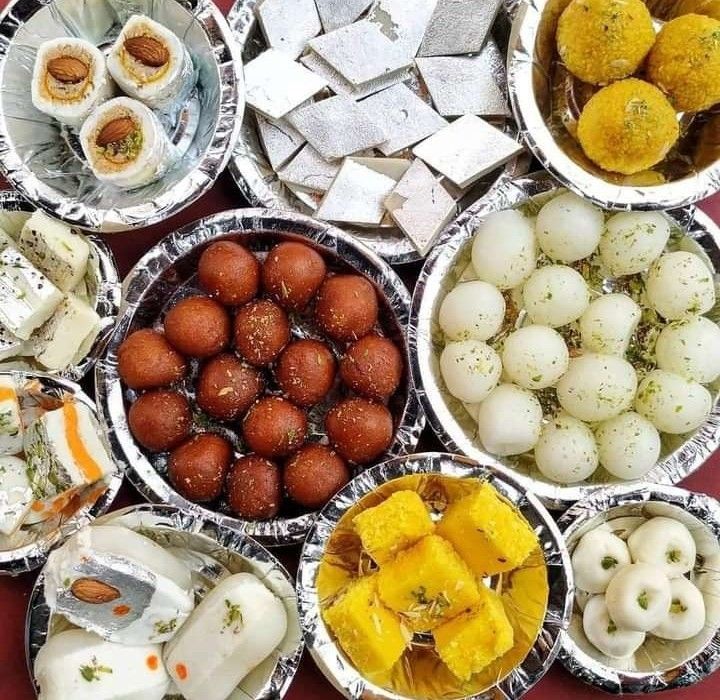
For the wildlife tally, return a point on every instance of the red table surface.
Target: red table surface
(309, 684)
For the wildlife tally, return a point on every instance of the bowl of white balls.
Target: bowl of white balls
(571, 346)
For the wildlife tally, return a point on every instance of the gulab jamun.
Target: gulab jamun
(253, 488)
(197, 468)
(306, 371)
(147, 361)
(229, 272)
(274, 427)
(262, 330)
(160, 419)
(314, 474)
(360, 430)
(372, 367)
(292, 273)
(347, 307)
(198, 326)
(226, 387)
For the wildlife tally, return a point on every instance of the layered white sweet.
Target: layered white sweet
(665, 543)
(15, 494)
(471, 369)
(66, 96)
(238, 625)
(11, 426)
(629, 445)
(568, 228)
(80, 665)
(638, 597)
(509, 420)
(597, 557)
(10, 345)
(679, 285)
(535, 357)
(686, 617)
(690, 348)
(566, 451)
(605, 635)
(141, 154)
(472, 310)
(608, 324)
(555, 295)
(633, 241)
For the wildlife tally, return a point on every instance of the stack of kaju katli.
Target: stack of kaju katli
(342, 128)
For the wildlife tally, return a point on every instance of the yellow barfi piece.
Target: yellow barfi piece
(369, 633)
(474, 639)
(396, 524)
(428, 584)
(488, 533)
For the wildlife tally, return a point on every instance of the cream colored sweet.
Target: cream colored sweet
(633, 241)
(11, 426)
(691, 349)
(664, 543)
(605, 635)
(597, 557)
(535, 357)
(555, 295)
(686, 616)
(473, 310)
(628, 445)
(16, 495)
(608, 324)
(566, 452)
(680, 285)
(471, 369)
(638, 597)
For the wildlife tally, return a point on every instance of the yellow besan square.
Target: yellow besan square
(396, 524)
(488, 533)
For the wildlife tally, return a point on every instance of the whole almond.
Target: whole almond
(67, 69)
(148, 50)
(92, 591)
(114, 131)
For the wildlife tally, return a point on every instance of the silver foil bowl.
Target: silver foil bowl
(44, 162)
(546, 100)
(168, 272)
(659, 664)
(28, 548)
(447, 416)
(212, 552)
(329, 657)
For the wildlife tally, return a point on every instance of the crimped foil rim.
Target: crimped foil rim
(675, 467)
(38, 613)
(108, 390)
(32, 555)
(539, 139)
(581, 665)
(180, 195)
(326, 654)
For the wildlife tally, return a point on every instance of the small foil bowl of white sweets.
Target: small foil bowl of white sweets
(571, 347)
(646, 562)
(56, 472)
(343, 96)
(160, 602)
(60, 292)
(116, 115)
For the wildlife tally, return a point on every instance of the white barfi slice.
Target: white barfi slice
(11, 427)
(459, 26)
(308, 171)
(337, 13)
(10, 345)
(81, 665)
(5, 240)
(15, 494)
(54, 249)
(288, 26)
(27, 297)
(280, 139)
(405, 22)
(242, 622)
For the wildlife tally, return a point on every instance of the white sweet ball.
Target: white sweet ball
(555, 295)
(504, 251)
(568, 228)
(690, 348)
(638, 597)
(535, 357)
(672, 404)
(629, 445)
(633, 240)
(597, 387)
(609, 323)
(679, 285)
(566, 451)
(687, 615)
(509, 420)
(472, 310)
(602, 632)
(471, 369)
(666, 543)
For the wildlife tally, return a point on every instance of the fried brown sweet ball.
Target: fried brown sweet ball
(306, 371)
(160, 420)
(229, 272)
(292, 274)
(262, 330)
(226, 387)
(198, 326)
(274, 427)
(360, 430)
(347, 307)
(253, 488)
(146, 360)
(314, 474)
(372, 367)
(197, 468)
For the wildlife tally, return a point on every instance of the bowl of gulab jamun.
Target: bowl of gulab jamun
(258, 363)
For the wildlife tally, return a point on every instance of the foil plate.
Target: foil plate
(213, 551)
(102, 278)
(677, 664)
(545, 99)
(327, 655)
(261, 186)
(44, 162)
(167, 272)
(447, 416)
(31, 547)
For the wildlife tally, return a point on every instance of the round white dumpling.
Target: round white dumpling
(607, 637)
(679, 285)
(509, 420)
(535, 357)
(609, 323)
(504, 252)
(597, 387)
(568, 228)
(472, 310)
(555, 295)
(666, 543)
(597, 557)
(628, 445)
(633, 240)
(638, 597)
(566, 451)
(471, 369)
(690, 348)
(672, 404)
(686, 617)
